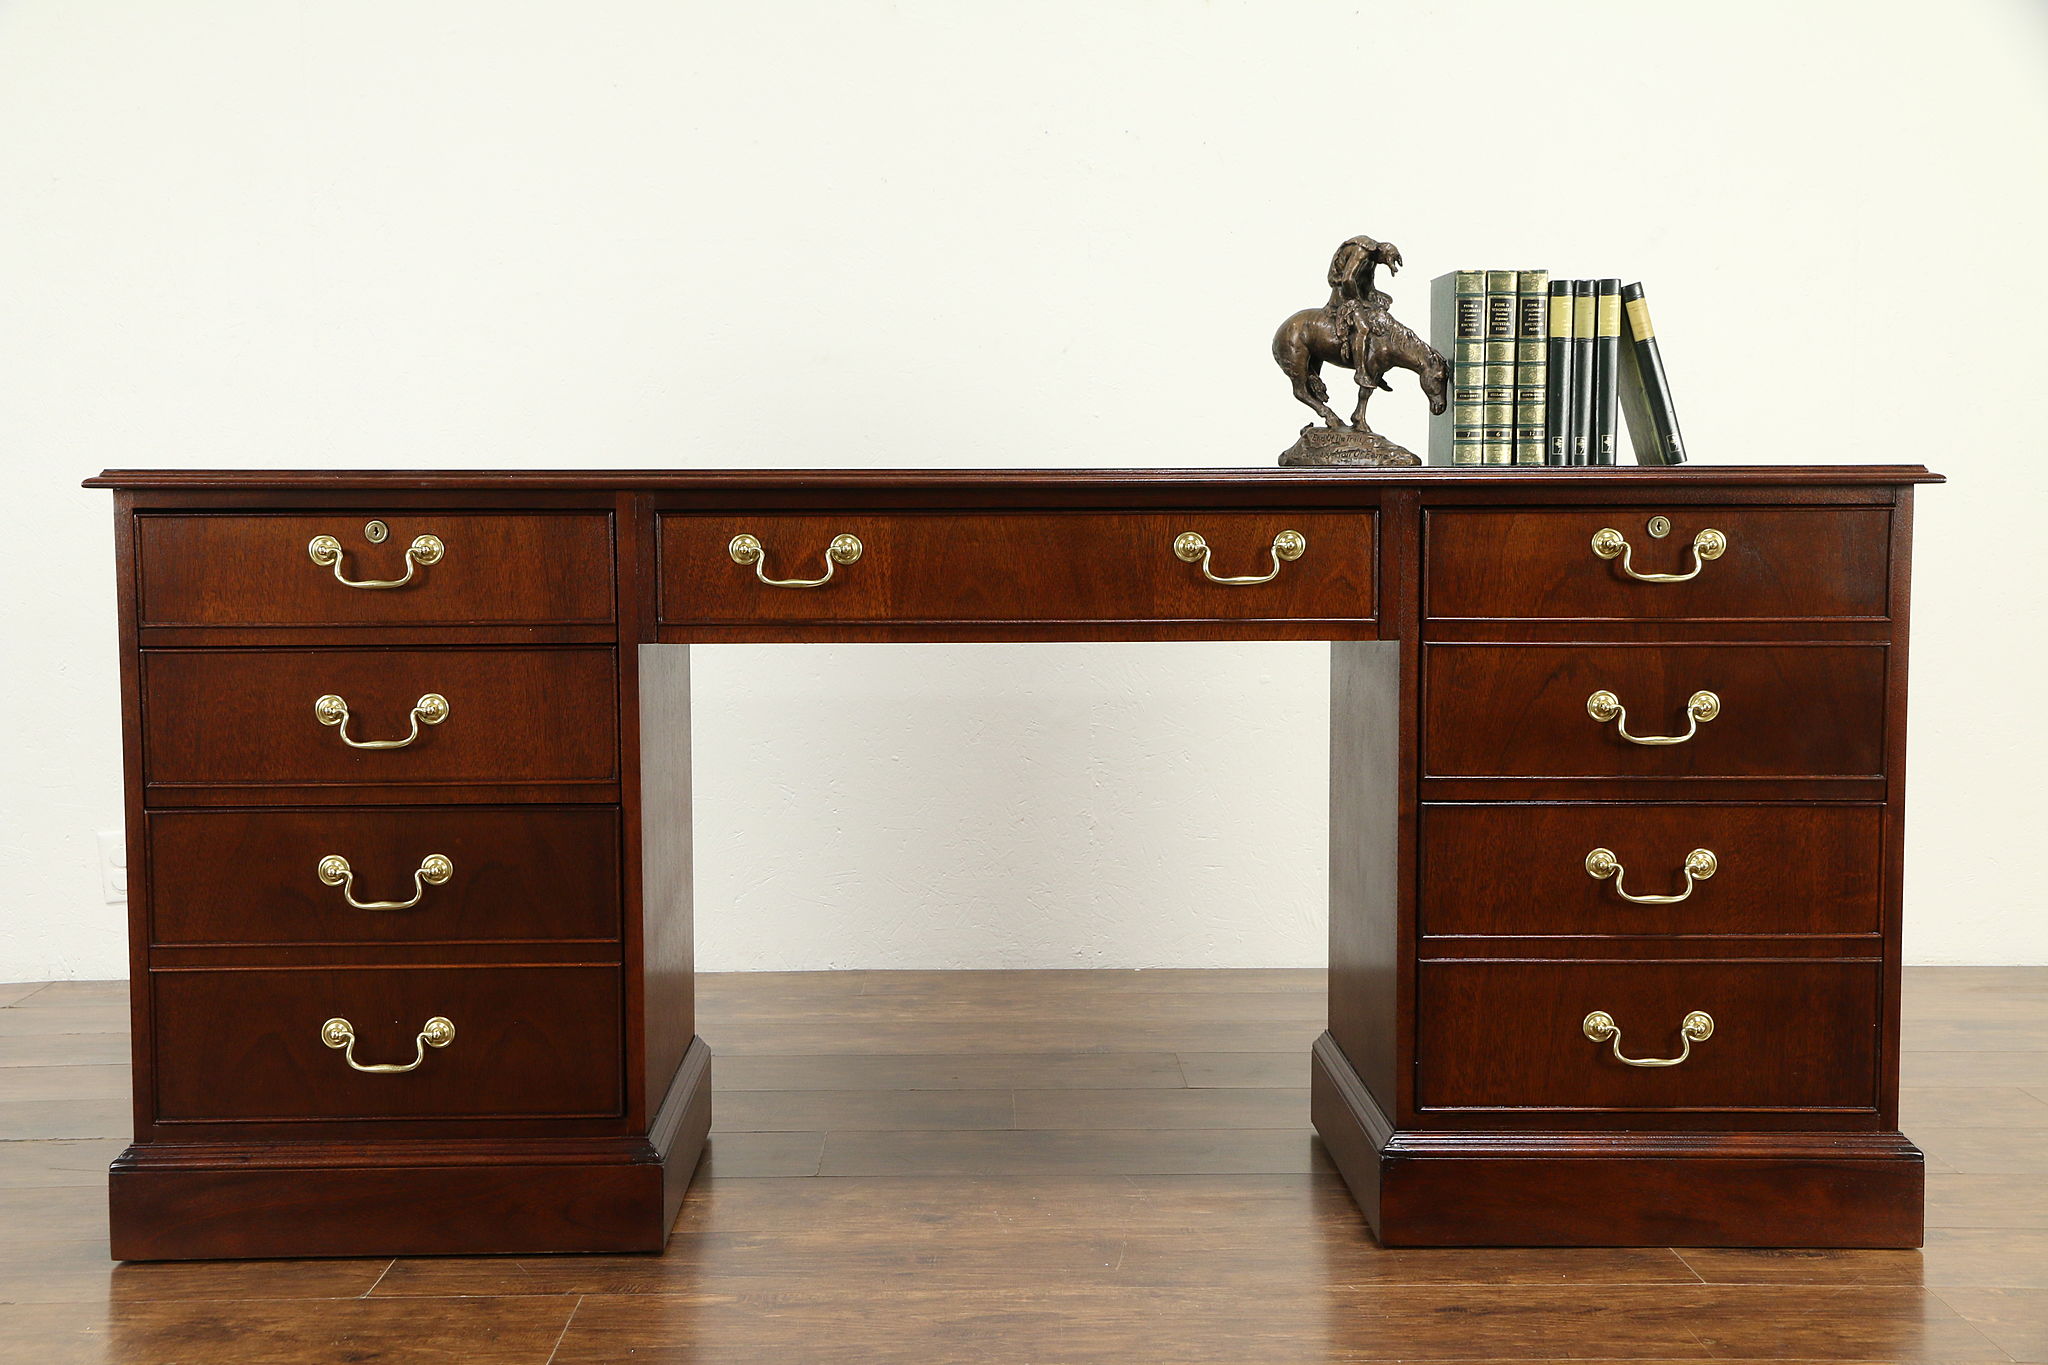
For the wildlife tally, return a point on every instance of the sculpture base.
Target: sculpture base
(1323, 446)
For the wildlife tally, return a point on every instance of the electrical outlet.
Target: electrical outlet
(113, 866)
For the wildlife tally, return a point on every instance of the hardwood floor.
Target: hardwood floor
(1038, 1167)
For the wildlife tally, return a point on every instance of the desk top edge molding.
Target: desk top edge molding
(1162, 480)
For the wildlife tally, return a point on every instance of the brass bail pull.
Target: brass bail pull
(430, 709)
(1609, 543)
(1696, 1027)
(434, 869)
(339, 1033)
(326, 552)
(1191, 548)
(1700, 707)
(1700, 864)
(746, 550)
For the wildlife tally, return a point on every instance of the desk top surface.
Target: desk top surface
(1219, 480)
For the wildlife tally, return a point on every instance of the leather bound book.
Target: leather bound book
(1497, 434)
(1558, 391)
(1532, 363)
(1468, 367)
(1582, 372)
(1645, 391)
(1606, 354)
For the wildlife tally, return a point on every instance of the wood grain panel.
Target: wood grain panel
(249, 876)
(1786, 710)
(528, 1041)
(1506, 1035)
(1521, 869)
(1781, 562)
(233, 717)
(230, 570)
(1017, 567)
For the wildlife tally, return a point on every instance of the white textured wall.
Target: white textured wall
(485, 233)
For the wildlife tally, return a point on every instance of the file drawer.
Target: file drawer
(439, 874)
(257, 718)
(257, 1045)
(1733, 710)
(441, 568)
(1514, 1035)
(1018, 567)
(1751, 563)
(1535, 869)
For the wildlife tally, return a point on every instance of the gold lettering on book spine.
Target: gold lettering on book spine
(1609, 324)
(1639, 319)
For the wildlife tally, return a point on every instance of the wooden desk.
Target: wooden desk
(1615, 826)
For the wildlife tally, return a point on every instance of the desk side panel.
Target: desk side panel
(1365, 964)
(667, 934)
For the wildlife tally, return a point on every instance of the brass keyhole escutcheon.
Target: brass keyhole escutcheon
(377, 532)
(1660, 527)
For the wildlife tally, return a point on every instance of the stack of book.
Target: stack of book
(1540, 375)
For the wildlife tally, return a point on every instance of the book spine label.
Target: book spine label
(1468, 367)
(1532, 363)
(1606, 354)
(1582, 370)
(1558, 392)
(1497, 432)
(1669, 447)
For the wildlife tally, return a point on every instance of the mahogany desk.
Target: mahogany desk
(1616, 778)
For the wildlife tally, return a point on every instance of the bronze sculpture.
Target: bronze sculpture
(1354, 330)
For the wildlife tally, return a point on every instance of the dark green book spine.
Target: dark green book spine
(1645, 389)
(1468, 368)
(1582, 370)
(1497, 433)
(1606, 355)
(1557, 419)
(1532, 362)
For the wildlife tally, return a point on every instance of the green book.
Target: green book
(1582, 372)
(1532, 363)
(1468, 367)
(1645, 392)
(1606, 356)
(1497, 431)
(1558, 414)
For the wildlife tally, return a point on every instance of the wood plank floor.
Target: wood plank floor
(1038, 1167)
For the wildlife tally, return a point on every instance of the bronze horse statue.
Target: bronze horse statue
(1354, 330)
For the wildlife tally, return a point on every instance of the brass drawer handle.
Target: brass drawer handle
(436, 1032)
(433, 870)
(1189, 547)
(1700, 864)
(1696, 1027)
(1604, 706)
(326, 552)
(1708, 544)
(746, 549)
(432, 709)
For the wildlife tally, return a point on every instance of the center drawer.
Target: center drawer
(252, 1044)
(1000, 567)
(438, 874)
(1512, 1035)
(255, 717)
(1778, 711)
